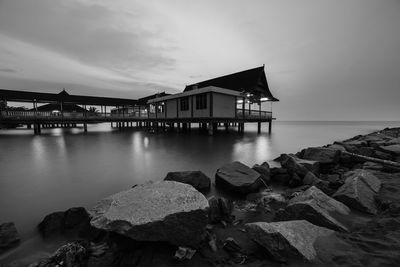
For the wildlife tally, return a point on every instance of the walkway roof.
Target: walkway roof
(63, 96)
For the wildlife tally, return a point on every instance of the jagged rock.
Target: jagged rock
(73, 220)
(220, 209)
(359, 191)
(161, 211)
(263, 170)
(290, 239)
(266, 197)
(373, 166)
(197, 179)
(382, 155)
(316, 207)
(8, 236)
(279, 175)
(298, 164)
(70, 255)
(237, 177)
(392, 149)
(309, 179)
(327, 157)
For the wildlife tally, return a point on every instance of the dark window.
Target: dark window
(201, 101)
(184, 103)
(161, 107)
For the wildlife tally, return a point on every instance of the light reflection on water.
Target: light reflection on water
(66, 167)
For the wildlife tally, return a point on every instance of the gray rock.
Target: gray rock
(325, 156)
(392, 149)
(73, 254)
(359, 191)
(237, 177)
(309, 179)
(197, 179)
(316, 207)
(291, 239)
(73, 220)
(220, 209)
(161, 211)
(8, 236)
(263, 170)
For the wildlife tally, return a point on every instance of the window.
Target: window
(152, 108)
(201, 101)
(160, 107)
(184, 103)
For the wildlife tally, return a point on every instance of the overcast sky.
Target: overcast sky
(325, 60)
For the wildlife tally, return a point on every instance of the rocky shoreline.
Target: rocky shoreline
(332, 205)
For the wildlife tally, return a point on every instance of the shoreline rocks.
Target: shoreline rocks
(317, 208)
(197, 179)
(236, 177)
(162, 211)
(359, 191)
(290, 239)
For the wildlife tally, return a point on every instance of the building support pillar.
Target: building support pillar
(270, 127)
(85, 127)
(259, 127)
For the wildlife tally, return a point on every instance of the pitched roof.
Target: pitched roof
(252, 81)
(143, 100)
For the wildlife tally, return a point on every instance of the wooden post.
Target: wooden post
(210, 128)
(259, 127)
(85, 127)
(226, 127)
(270, 126)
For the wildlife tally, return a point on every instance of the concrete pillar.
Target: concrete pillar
(258, 127)
(270, 127)
(85, 127)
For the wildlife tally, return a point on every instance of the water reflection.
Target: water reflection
(67, 167)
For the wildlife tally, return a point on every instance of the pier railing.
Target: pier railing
(253, 114)
(58, 115)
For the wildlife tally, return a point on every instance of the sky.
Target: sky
(325, 60)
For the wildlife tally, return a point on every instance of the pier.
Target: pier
(228, 101)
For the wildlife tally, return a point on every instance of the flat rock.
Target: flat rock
(197, 179)
(8, 236)
(161, 211)
(237, 177)
(359, 191)
(392, 149)
(316, 207)
(290, 239)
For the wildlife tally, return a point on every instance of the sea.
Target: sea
(64, 168)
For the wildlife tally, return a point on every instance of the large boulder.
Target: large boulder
(290, 239)
(197, 179)
(359, 191)
(264, 171)
(237, 177)
(327, 157)
(8, 236)
(316, 207)
(161, 211)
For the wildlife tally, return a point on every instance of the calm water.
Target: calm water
(65, 168)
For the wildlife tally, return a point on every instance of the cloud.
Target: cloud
(7, 70)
